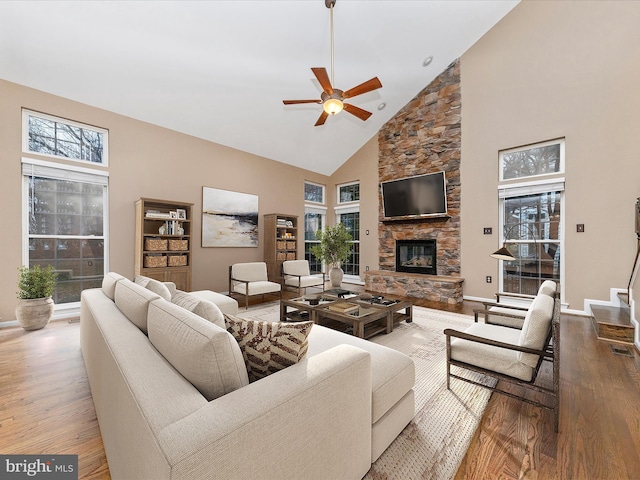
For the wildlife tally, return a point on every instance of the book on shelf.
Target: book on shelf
(156, 214)
(343, 307)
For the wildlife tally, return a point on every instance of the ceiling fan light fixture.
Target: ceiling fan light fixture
(333, 106)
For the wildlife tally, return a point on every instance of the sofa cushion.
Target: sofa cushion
(268, 347)
(535, 329)
(109, 283)
(155, 286)
(133, 300)
(225, 303)
(205, 354)
(204, 308)
(392, 372)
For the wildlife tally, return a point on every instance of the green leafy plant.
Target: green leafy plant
(334, 247)
(36, 282)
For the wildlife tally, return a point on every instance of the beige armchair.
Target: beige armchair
(510, 355)
(296, 273)
(249, 279)
(510, 315)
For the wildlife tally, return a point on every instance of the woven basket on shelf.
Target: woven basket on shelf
(154, 261)
(155, 244)
(177, 260)
(291, 245)
(281, 256)
(280, 245)
(178, 245)
(291, 256)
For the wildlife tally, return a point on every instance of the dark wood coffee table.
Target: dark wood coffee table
(369, 316)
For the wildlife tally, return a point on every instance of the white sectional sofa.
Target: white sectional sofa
(173, 399)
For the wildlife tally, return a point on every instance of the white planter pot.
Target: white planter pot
(335, 276)
(34, 314)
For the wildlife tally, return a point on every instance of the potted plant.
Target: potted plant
(334, 248)
(36, 286)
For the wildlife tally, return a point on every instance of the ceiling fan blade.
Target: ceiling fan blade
(322, 119)
(365, 87)
(323, 78)
(357, 111)
(294, 102)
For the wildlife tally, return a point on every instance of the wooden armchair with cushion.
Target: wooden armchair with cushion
(509, 355)
(296, 273)
(249, 279)
(512, 315)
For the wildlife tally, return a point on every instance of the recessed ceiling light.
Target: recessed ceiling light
(427, 61)
(381, 106)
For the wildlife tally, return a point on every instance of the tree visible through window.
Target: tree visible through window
(541, 159)
(532, 235)
(60, 138)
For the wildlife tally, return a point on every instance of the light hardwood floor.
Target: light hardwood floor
(46, 407)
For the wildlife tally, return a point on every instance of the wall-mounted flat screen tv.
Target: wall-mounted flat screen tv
(419, 196)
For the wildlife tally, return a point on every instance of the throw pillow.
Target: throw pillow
(268, 347)
(155, 286)
(204, 308)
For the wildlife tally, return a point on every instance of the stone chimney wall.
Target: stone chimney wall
(425, 137)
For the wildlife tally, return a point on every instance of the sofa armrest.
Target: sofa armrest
(311, 420)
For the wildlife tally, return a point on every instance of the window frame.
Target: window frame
(40, 168)
(346, 208)
(561, 167)
(533, 185)
(26, 113)
(324, 193)
(342, 185)
(322, 211)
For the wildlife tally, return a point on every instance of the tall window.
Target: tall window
(348, 213)
(65, 206)
(531, 215)
(66, 226)
(314, 220)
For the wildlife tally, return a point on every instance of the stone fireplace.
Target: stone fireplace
(424, 137)
(416, 256)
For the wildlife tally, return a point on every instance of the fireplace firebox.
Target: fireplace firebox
(416, 256)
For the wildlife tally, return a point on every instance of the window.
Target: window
(313, 221)
(532, 233)
(57, 137)
(349, 192)
(534, 160)
(313, 192)
(351, 221)
(531, 216)
(349, 215)
(65, 224)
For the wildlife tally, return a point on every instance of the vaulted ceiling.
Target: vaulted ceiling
(219, 70)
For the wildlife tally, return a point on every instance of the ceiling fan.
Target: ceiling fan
(332, 99)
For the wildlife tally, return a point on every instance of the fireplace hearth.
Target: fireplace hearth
(416, 256)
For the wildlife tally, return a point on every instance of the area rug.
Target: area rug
(434, 443)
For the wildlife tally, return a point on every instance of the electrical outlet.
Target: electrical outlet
(580, 228)
(367, 232)
(367, 268)
(489, 279)
(488, 230)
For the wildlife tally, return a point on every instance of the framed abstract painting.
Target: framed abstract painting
(229, 219)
